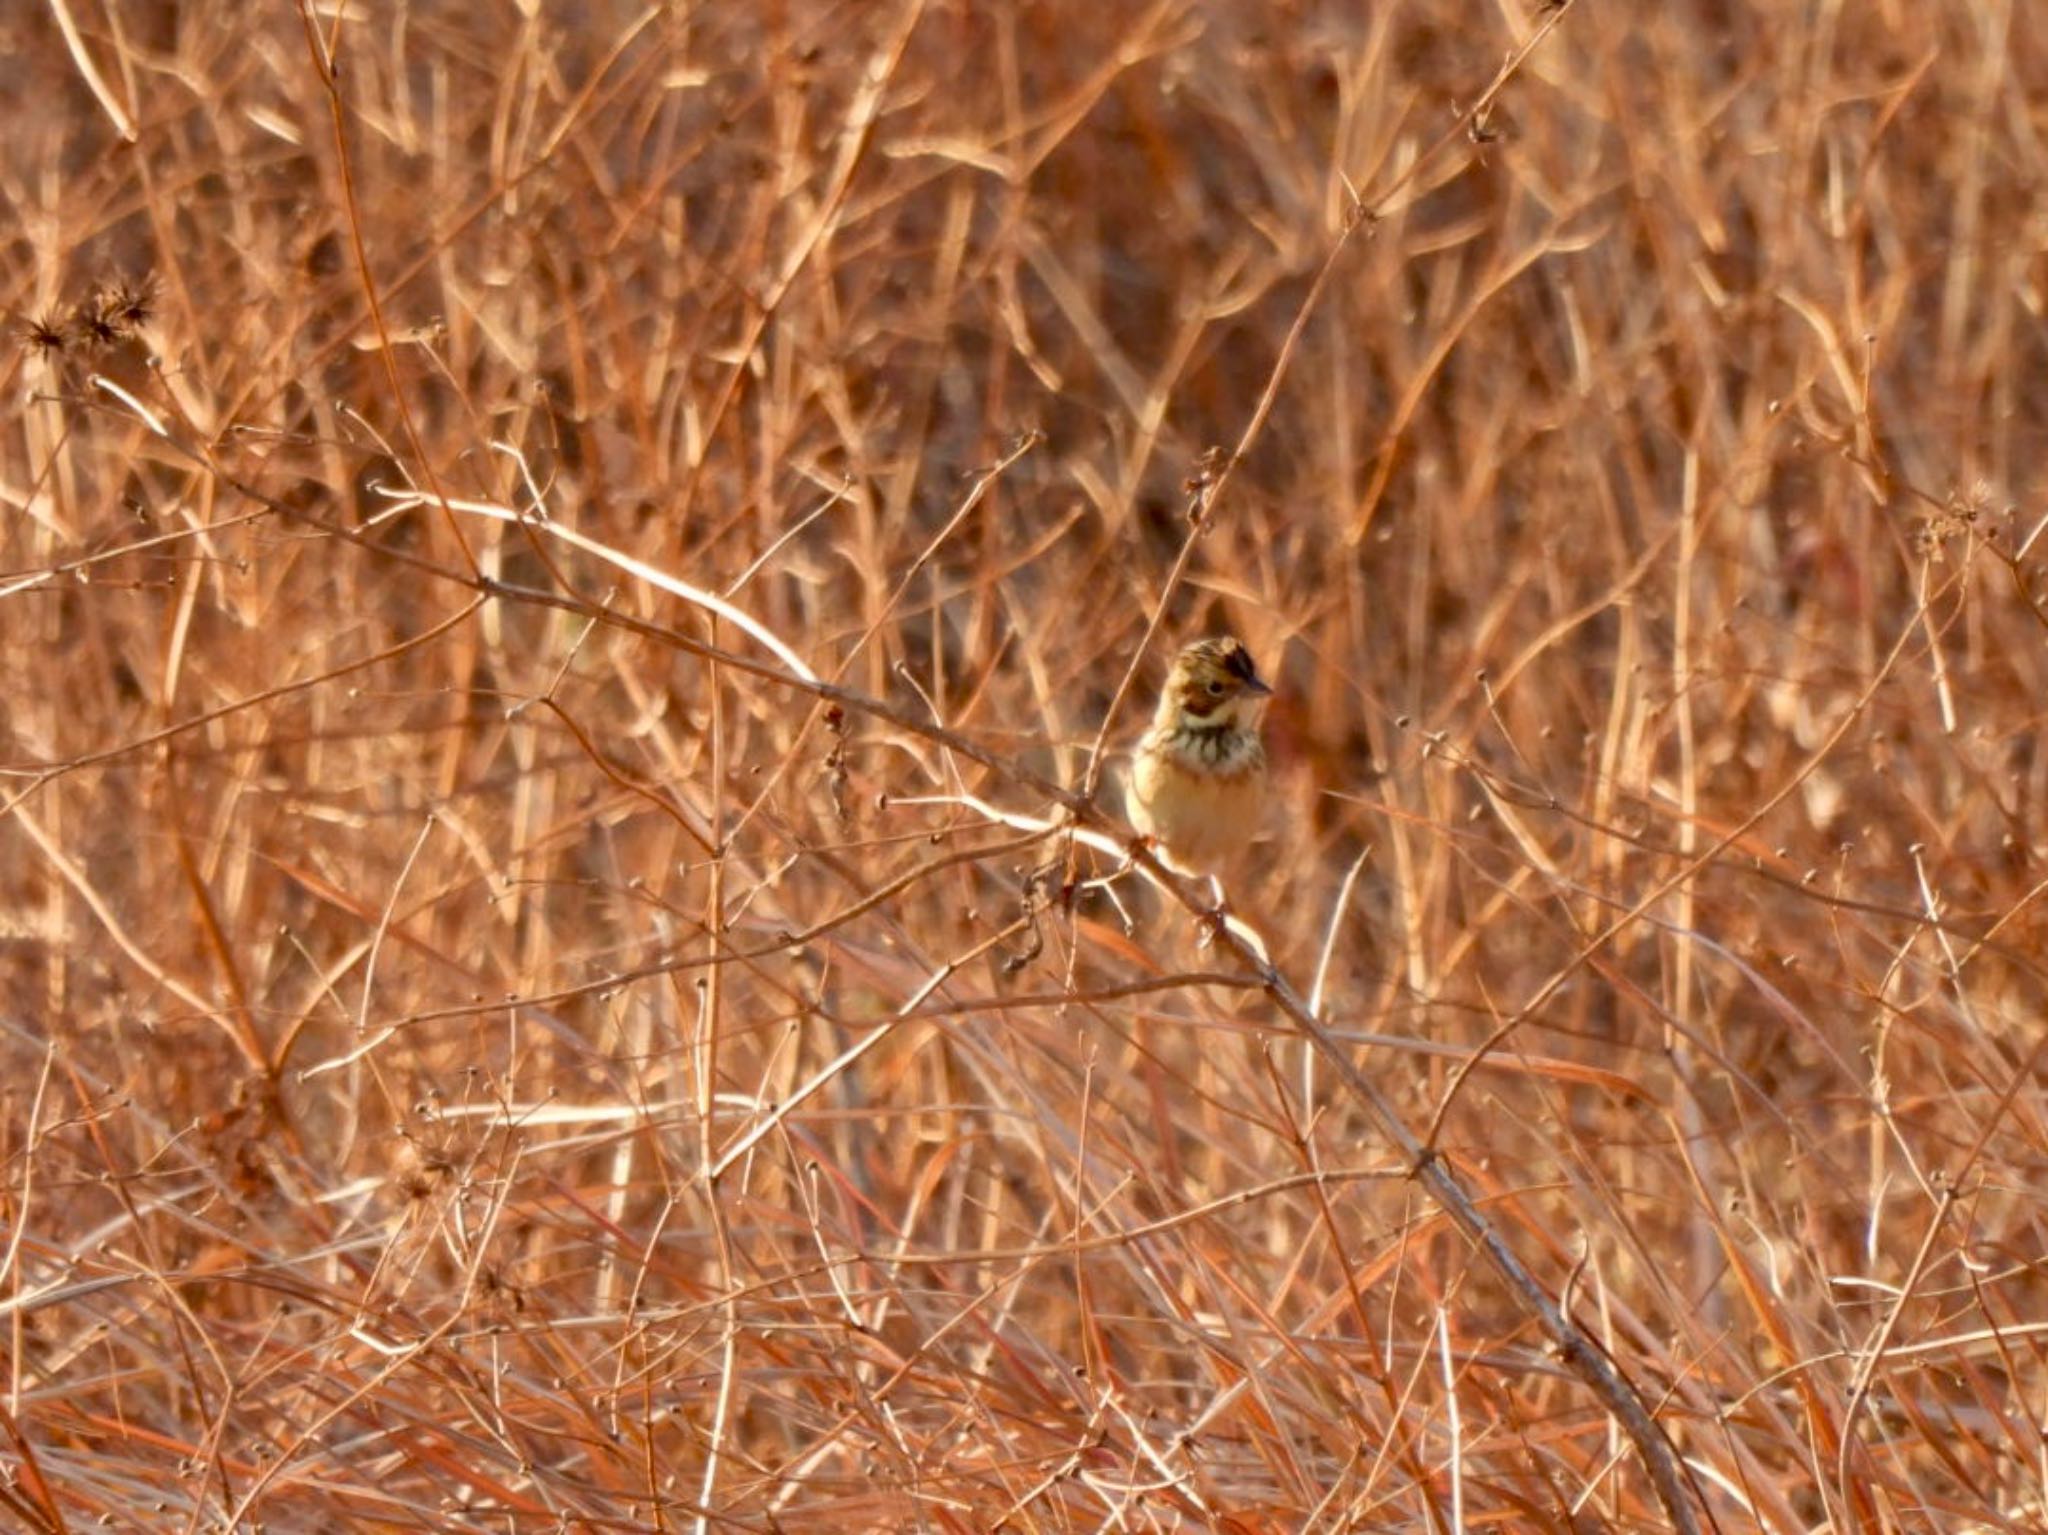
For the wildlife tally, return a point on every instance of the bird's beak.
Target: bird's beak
(1253, 685)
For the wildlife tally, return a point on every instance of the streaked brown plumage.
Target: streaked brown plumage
(1198, 781)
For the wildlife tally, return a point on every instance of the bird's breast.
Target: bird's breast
(1199, 796)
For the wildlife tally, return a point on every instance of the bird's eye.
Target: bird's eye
(1215, 687)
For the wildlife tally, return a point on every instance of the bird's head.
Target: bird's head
(1213, 682)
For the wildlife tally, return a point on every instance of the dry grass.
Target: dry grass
(517, 1061)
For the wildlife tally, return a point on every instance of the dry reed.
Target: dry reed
(558, 564)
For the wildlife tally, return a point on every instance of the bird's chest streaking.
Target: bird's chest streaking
(1198, 791)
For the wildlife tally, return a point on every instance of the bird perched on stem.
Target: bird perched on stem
(1198, 782)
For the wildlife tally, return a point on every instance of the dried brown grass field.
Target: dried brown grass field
(562, 571)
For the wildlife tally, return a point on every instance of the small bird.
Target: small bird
(1198, 780)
